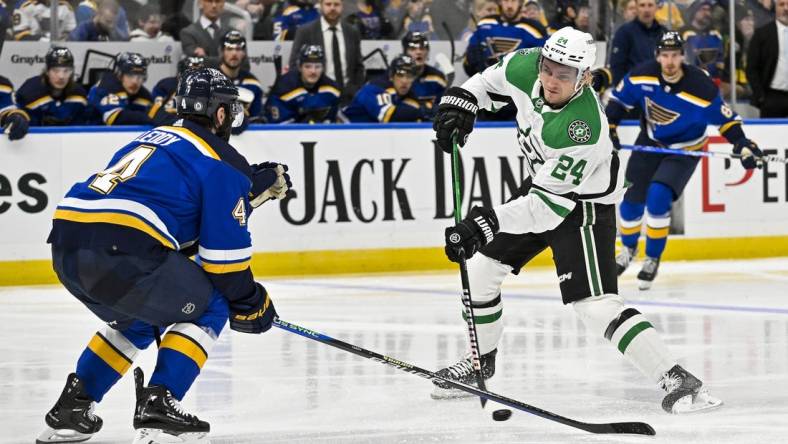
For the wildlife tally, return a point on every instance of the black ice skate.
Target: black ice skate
(159, 413)
(463, 372)
(686, 393)
(648, 273)
(72, 418)
(625, 258)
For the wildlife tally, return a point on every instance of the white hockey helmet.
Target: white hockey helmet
(571, 47)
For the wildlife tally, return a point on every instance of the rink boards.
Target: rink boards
(373, 198)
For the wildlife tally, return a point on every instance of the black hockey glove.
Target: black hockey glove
(602, 78)
(751, 155)
(15, 125)
(255, 318)
(456, 111)
(472, 233)
(269, 181)
(614, 137)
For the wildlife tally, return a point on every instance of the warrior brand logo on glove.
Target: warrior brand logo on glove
(579, 131)
(459, 103)
(485, 227)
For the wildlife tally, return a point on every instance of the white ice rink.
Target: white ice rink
(726, 321)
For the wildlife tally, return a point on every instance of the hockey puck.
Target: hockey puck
(501, 415)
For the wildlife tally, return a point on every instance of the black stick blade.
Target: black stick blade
(632, 428)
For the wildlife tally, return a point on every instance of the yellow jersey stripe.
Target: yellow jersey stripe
(389, 113)
(113, 116)
(638, 80)
(78, 99)
(231, 267)
(487, 21)
(436, 79)
(109, 354)
(194, 139)
(693, 99)
(250, 81)
(186, 346)
(412, 102)
(530, 29)
(329, 89)
(293, 94)
(657, 233)
(36, 103)
(696, 146)
(5, 89)
(142, 101)
(630, 230)
(125, 220)
(728, 125)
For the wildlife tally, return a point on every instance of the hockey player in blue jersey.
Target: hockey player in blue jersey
(232, 55)
(54, 98)
(164, 91)
(121, 242)
(430, 81)
(389, 99)
(297, 13)
(678, 101)
(119, 98)
(499, 34)
(305, 95)
(13, 120)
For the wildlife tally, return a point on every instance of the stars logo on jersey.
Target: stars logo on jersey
(579, 131)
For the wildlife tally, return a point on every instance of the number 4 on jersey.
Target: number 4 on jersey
(123, 170)
(567, 164)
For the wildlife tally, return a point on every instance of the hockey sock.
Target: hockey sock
(631, 221)
(485, 276)
(185, 347)
(109, 355)
(627, 330)
(658, 203)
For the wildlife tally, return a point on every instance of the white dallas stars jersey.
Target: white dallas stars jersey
(569, 152)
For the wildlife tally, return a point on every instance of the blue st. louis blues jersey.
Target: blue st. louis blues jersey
(163, 95)
(286, 24)
(378, 101)
(110, 101)
(6, 96)
(36, 98)
(291, 101)
(495, 37)
(174, 187)
(706, 50)
(675, 115)
(429, 86)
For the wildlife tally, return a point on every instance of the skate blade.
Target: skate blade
(703, 402)
(156, 436)
(440, 394)
(62, 435)
(644, 285)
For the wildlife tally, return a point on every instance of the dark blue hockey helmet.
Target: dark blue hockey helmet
(202, 91)
(59, 56)
(131, 63)
(403, 64)
(234, 39)
(311, 54)
(187, 63)
(670, 40)
(415, 40)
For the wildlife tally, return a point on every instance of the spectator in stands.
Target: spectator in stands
(233, 56)
(31, 20)
(703, 45)
(203, 38)
(389, 98)
(53, 98)
(417, 19)
(174, 18)
(13, 121)
(430, 82)
(6, 11)
(532, 10)
(102, 27)
(262, 13)
(767, 64)
(297, 14)
(371, 20)
(669, 14)
(305, 95)
(565, 14)
(149, 26)
(342, 45)
(627, 10)
(119, 98)
(763, 11)
(87, 9)
(481, 9)
(635, 41)
(500, 34)
(164, 92)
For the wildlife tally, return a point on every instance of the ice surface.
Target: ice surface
(727, 322)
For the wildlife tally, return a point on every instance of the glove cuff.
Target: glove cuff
(486, 221)
(458, 98)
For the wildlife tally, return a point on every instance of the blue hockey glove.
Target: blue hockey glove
(269, 181)
(472, 233)
(751, 155)
(15, 125)
(253, 318)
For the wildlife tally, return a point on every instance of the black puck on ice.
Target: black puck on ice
(502, 414)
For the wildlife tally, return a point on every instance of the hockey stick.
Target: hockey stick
(660, 150)
(450, 76)
(637, 428)
(466, 286)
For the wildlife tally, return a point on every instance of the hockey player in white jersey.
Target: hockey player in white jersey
(567, 204)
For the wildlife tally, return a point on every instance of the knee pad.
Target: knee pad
(597, 312)
(485, 277)
(631, 211)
